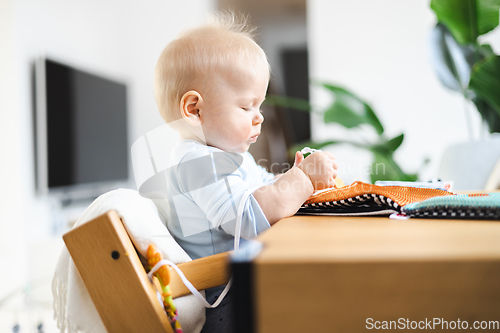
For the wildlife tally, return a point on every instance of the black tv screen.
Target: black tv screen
(86, 139)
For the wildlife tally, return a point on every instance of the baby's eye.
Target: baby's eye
(247, 109)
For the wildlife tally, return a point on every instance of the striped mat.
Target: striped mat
(366, 199)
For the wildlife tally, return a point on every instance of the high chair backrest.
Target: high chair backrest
(120, 289)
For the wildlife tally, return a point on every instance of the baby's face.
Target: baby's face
(230, 112)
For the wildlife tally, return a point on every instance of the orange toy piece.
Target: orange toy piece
(399, 194)
(163, 275)
(153, 258)
(339, 183)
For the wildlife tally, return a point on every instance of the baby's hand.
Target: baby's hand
(321, 168)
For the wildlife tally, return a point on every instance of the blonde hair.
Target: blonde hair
(197, 53)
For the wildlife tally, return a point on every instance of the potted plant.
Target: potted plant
(467, 66)
(461, 62)
(351, 111)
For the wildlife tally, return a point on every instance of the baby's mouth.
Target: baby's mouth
(254, 138)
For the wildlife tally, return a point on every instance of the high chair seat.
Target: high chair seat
(103, 286)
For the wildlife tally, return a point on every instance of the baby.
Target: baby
(209, 85)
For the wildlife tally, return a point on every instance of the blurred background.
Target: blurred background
(380, 50)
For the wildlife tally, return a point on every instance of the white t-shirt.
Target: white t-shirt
(205, 188)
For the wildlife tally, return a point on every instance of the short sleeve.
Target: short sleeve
(215, 183)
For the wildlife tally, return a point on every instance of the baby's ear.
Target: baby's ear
(189, 105)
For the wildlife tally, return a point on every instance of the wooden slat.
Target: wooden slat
(120, 289)
(203, 273)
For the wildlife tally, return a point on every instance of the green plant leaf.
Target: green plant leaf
(467, 19)
(350, 111)
(486, 50)
(311, 144)
(488, 113)
(340, 112)
(389, 146)
(373, 119)
(487, 15)
(382, 169)
(288, 102)
(485, 81)
(452, 62)
(385, 168)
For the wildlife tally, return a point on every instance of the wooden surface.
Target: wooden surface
(203, 273)
(329, 274)
(120, 289)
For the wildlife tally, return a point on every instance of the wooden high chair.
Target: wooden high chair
(114, 276)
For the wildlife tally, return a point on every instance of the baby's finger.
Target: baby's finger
(335, 165)
(330, 158)
(299, 157)
(330, 183)
(330, 154)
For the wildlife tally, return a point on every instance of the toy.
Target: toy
(163, 276)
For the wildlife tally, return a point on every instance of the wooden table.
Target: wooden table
(330, 274)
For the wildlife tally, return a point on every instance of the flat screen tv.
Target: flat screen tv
(82, 144)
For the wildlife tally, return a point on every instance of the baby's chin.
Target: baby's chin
(238, 150)
(234, 150)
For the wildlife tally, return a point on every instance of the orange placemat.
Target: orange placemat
(399, 194)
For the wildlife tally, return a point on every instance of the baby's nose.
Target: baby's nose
(259, 119)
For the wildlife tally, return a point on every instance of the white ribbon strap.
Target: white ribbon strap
(189, 285)
(237, 235)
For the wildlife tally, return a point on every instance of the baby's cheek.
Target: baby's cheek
(247, 133)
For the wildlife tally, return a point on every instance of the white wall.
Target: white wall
(380, 51)
(115, 38)
(11, 225)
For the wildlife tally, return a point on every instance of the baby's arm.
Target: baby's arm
(283, 198)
